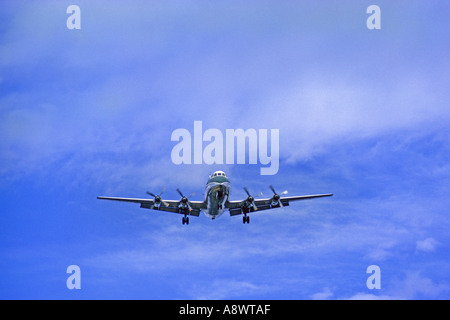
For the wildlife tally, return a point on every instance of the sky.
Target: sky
(363, 114)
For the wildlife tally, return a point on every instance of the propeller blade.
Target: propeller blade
(273, 190)
(162, 191)
(181, 194)
(255, 208)
(192, 194)
(151, 194)
(248, 193)
(164, 203)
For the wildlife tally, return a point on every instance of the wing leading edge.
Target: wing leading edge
(238, 207)
(169, 206)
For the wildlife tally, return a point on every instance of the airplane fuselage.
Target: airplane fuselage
(216, 194)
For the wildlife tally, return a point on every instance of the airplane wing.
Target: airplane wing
(168, 205)
(236, 207)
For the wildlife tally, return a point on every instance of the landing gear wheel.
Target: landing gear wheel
(185, 220)
(245, 219)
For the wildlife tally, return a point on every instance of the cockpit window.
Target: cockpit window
(216, 174)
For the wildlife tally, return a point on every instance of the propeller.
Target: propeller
(276, 197)
(185, 200)
(251, 199)
(158, 199)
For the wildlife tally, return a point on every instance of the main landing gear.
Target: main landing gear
(185, 220)
(245, 219)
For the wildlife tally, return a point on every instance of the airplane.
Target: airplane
(216, 200)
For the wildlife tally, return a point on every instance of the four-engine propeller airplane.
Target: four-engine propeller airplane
(216, 201)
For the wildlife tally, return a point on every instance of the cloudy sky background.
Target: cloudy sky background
(363, 114)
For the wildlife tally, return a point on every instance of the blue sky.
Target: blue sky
(363, 114)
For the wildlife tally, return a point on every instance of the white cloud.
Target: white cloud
(413, 286)
(226, 289)
(427, 245)
(369, 296)
(316, 112)
(417, 286)
(325, 294)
